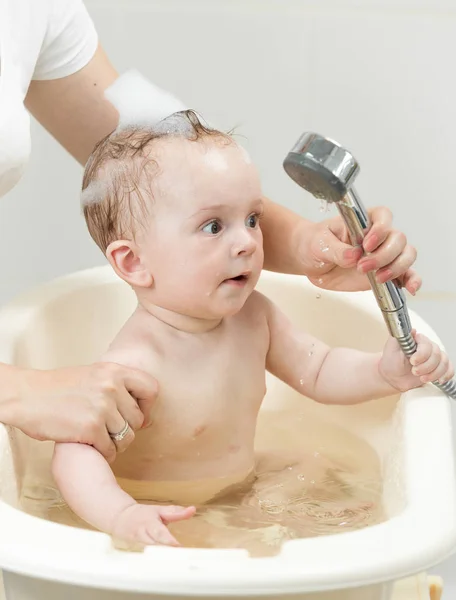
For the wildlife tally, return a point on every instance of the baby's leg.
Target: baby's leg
(89, 487)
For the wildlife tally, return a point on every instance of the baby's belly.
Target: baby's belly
(184, 492)
(156, 457)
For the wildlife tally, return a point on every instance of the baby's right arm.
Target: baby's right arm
(87, 482)
(89, 487)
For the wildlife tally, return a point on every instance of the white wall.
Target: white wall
(378, 76)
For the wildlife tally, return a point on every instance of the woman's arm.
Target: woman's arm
(73, 109)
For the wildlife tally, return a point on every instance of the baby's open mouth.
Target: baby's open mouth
(242, 278)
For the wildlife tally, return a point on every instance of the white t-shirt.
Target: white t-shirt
(39, 39)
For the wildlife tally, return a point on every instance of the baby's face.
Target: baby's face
(203, 245)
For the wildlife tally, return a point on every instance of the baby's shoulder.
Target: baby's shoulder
(132, 347)
(258, 302)
(257, 306)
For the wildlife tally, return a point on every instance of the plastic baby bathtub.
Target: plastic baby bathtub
(72, 319)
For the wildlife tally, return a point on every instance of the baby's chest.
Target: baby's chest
(212, 384)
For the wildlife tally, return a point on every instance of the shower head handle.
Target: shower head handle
(322, 167)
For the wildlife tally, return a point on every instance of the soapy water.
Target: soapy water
(298, 489)
(140, 103)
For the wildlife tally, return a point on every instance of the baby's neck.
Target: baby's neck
(178, 321)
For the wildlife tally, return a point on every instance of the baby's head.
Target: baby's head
(175, 208)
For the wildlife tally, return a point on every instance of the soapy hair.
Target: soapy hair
(116, 188)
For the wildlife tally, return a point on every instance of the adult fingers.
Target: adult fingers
(144, 389)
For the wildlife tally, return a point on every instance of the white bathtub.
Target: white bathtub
(72, 319)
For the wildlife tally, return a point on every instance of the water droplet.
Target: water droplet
(311, 350)
(323, 205)
(324, 246)
(320, 264)
(301, 477)
(318, 296)
(320, 281)
(301, 381)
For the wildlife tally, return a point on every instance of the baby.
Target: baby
(177, 211)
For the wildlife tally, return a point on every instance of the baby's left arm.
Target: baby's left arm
(428, 364)
(344, 375)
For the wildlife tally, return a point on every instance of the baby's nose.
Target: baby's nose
(245, 244)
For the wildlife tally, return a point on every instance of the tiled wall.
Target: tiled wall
(377, 75)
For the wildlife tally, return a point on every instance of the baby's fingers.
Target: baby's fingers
(434, 367)
(438, 372)
(449, 374)
(170, 514)
(158, 533)
(425, 349)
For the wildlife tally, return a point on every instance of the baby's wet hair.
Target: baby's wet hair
(116, 188)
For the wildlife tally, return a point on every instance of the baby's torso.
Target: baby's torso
(211, 387)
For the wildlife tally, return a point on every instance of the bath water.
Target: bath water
(308, 481)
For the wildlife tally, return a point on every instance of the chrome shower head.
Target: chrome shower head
(326, 170)
(322, 167)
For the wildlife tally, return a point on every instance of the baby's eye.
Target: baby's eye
(252, 221)
(213, 228)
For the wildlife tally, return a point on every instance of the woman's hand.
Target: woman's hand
(334, 264)
(79, 404)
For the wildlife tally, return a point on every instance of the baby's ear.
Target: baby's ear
(125, 259)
